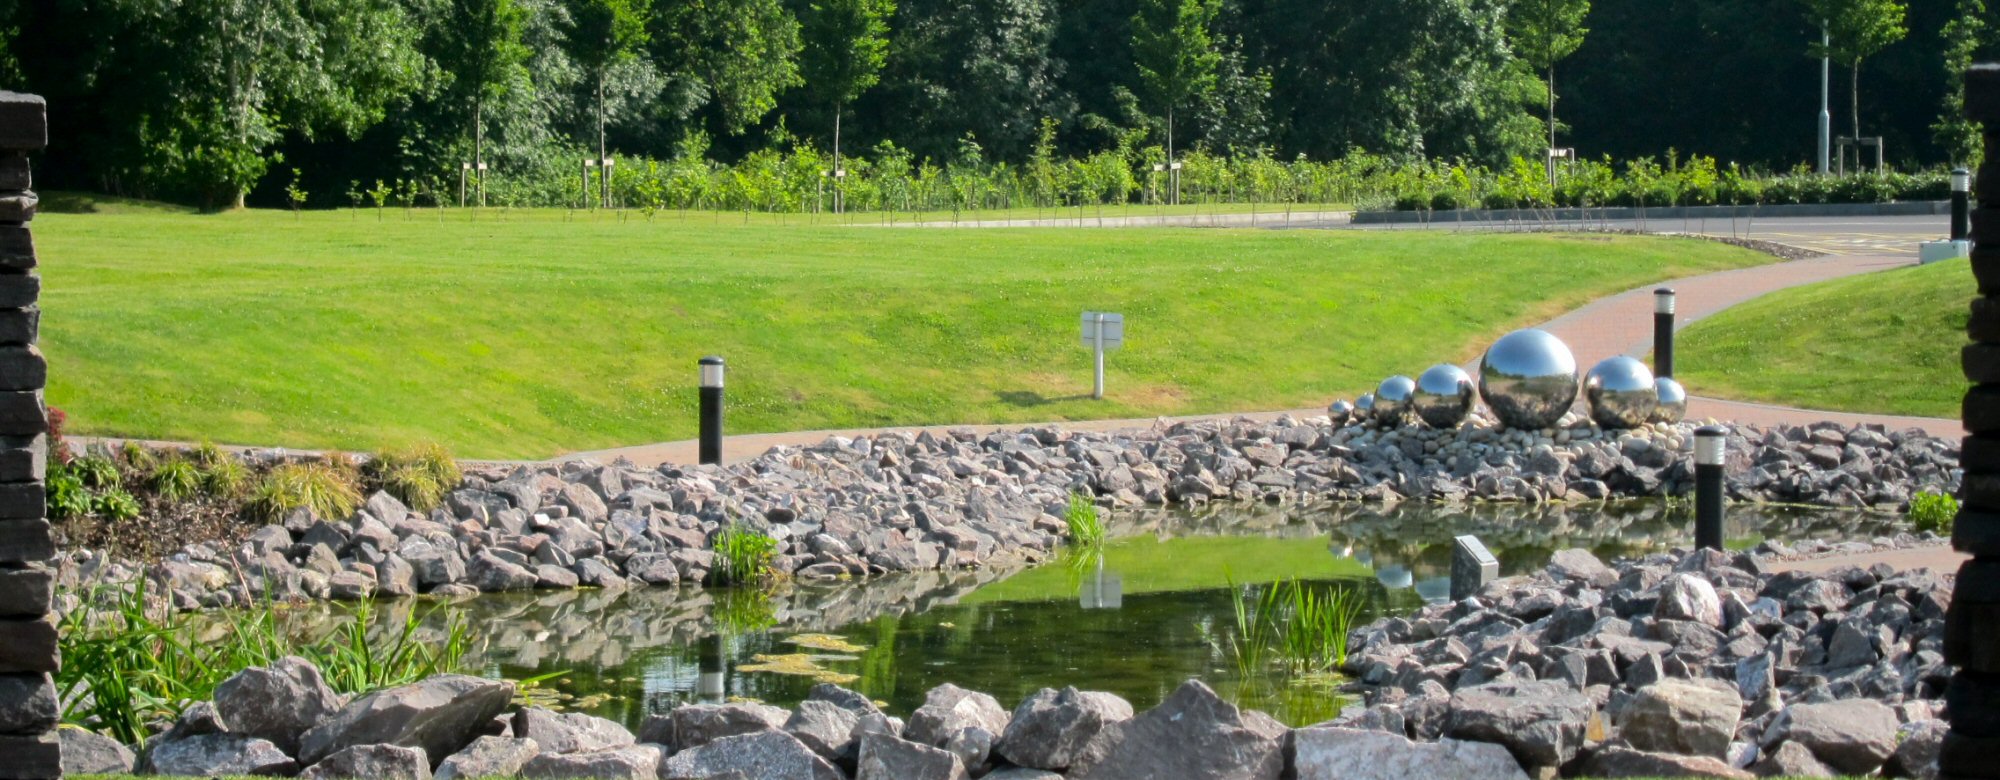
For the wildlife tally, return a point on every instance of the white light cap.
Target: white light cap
(1663, 300)
(711, 371)
(1708, 441)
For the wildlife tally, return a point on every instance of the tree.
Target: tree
(1856, 30)
(970, 66)
(846, 42)
(1543, 33)
(1963, 35)
(1175, 54)
(736, 56)
(482, 49)
(603, 34)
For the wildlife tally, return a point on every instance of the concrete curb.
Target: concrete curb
(1623, 213)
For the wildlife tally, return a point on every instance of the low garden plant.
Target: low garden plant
(1933, 512)
(743, 556)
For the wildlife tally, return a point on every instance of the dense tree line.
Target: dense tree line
(206, 100)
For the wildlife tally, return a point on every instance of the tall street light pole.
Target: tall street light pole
(1825, 116)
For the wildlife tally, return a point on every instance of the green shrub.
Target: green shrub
(420, 477)
(137, 458)
(114, 503)
(224, 478)
(743, 555)
(321, 487)
(67, 497)
(176, 479)
(96, 472)
(1933, 512)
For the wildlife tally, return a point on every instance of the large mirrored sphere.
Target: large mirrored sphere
(1528, 379)
(1444, 396)
(1673, 401)
(1621, 393)
(1392, 399)
(1340, 412)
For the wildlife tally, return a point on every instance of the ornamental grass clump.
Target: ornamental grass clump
(1085, 527)
(419, 477)
(743, 556)
(175, 479)
(1298, 628)
(329, 491)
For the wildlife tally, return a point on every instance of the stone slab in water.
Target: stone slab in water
(1472, 566)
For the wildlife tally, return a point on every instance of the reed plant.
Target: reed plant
(1085, 527)
(1293, 627)
(743, 556)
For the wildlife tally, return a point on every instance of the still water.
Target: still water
(1155, 606)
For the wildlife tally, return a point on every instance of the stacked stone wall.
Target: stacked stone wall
(1972, 628)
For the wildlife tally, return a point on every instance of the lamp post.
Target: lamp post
(711, 410)
(1663, 332)
(1961, 204)
(1708, 451)
(1825, 115)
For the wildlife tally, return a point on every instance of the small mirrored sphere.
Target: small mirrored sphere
(1340, 412)
(1528, 379)
(1444, 396)
(1621, 392)
(1392, 399)
(1364, 407)
(1673, 401)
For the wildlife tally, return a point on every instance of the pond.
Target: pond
(1153, 607)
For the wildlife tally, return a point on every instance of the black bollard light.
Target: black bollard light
(1961, 204)
(1708, 448)
(1663, 332)
(711, 410)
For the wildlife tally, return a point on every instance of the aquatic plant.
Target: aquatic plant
(1933, 512)
(1085, 528)
(322, 487)
(742, 556)
(1296, 627)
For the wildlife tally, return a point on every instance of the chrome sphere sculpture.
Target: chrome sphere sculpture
(1528, 379)
(1340, 411)
(1364, 407)
(1673, 401)
(1392, 399)
(1621, 392)
(1444, 396)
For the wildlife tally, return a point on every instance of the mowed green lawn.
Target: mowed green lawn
(1881, 342)
(545, 332)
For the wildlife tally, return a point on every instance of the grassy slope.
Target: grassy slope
(541, 333)
(1881, 342)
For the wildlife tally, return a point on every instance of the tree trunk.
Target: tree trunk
(1552, 106)
(836, 158)
(603, 176)
(1173, 175)
(1854, 93)
(479, 144)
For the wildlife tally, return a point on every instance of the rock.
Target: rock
(440, 714)
(216, 755)
(1329, 753)
(948, 708)
(372, 762)
(27, 701)
(763, 755)
(1626, 762)
(572, 732)
(1192, 735)
(91, 753)
(277, 702)
(887, 758)
(843, 698)
(1676, 716)
(492, 574)
(972, 745)
(631, 762)
(386, 508)
(1854, 736)
(694, 725)
(1791, 759)
(1021, 773)
(1051, 727)
(826, 728)
(488, 757)
(1687, 596)
(1541, 723)
(653, 568)
(1581, 566)
(1916, 752)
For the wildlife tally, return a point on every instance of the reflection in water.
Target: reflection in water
(1151, 608)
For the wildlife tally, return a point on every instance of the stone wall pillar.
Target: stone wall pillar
(1972, 627)
(28, 652)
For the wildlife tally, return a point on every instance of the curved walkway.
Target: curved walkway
(1621, 324)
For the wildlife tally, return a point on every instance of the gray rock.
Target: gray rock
(1330, 753)
(372, 762)
(948, 708)
(1021, 773)
(1051, 727)
(631, 762)
(1685, 596)
(91, 753)
(277, 702)
(694, 725)
(764, 755)
(1791, 759)
(493, 574)
(972, 745)
(441, 714)
(572, 732)
(216, 755)
(1192, 735)
(1625, 762)
(1916, 751)
(488, 757)
(887, 758)
(826, 728)
(1854, 736)
(843, 698)
(1581, 566)
(27, 703)
(1541, 723)
(1677, 716)
(386, 508)
(653, 568)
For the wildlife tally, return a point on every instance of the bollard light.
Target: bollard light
(1663, 332)
(1961, 204)
(711, 410)
(1708, 454)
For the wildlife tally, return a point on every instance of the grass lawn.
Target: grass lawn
(541, 332)
(1880, 342)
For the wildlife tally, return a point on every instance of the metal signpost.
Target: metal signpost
(1102, 332)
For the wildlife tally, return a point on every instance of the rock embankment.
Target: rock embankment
(899, 502)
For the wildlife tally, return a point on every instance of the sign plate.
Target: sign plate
(1113, 329)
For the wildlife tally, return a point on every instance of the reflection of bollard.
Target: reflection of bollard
(711, 410)
(1471, 567)
(1708, 441)
(710, 686)
(1663, 332)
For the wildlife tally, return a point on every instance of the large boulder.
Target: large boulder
(1791, 759)
(1916, 752)
(372, 762)
(91, 753)
(1541, 723)
(1687, 596)
(277, 702)
(1192, 735)
(569, 732)
(493, 574)
(884, 757)
(949, 708)
(215, 755)
(1051, 727)
(826, 728)
(631, 762)
(1854, 736)
(1678, 716)
(1329, 753)
(488, 757)
(763, 755)
(1626, 762)
(1581, 566)
(441, 714)
(694, 725)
